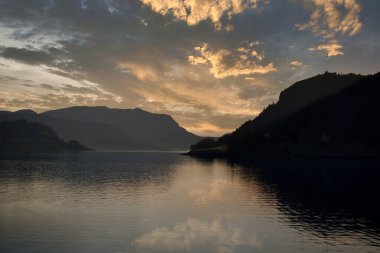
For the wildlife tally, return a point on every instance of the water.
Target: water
(164, 202)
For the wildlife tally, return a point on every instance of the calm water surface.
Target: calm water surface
(164, 202)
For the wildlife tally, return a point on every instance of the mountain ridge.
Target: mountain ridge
(97, 136)
(160, 130)
(302, 93)
(102, 134)
(23, 136)
(336, 123)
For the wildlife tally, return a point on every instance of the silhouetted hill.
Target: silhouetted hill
(93, 135)
(301, 94)
(23, 136)
(102, 128)
(347, 118)
(342, 121)
(159, 130)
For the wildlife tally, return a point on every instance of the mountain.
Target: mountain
(339, 118)
(102, 128)
(158, 130)
(93, 135)
(301, 94)
(23, 136)
(349, 118)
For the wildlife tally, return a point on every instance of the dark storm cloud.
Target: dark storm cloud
(26, 55)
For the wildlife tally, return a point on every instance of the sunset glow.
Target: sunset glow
(211, 66)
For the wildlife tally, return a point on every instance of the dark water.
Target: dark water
(164, 202)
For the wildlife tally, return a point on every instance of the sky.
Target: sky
(210, 64)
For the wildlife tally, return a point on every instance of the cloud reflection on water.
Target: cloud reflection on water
(196, 234)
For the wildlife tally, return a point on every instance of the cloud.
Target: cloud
(41, 102)
(254, 92)
(136, 54)
(206, 128)
(331, 17)
(332, 48)
(296, 63)
(195, 11)
(25, 55)
(225, 63)
(193, 233)
(45, 90)
(142, 71)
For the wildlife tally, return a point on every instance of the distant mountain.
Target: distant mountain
(23, 136)
(102, 128)
(93, 135)
(339, 118)
(158, 130)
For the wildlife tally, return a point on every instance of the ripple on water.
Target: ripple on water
(163, 202)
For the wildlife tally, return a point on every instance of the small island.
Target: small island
(24, 136)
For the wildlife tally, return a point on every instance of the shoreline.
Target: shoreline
(248, 155)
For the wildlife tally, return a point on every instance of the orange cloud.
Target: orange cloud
(296, 63)
(143, 72)
(332, 48)
(331, 17)
(195, 11)
(225, 63)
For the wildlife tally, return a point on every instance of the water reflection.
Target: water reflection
(90, 169)
(332, 198)
(193, 234)
(163, 202)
